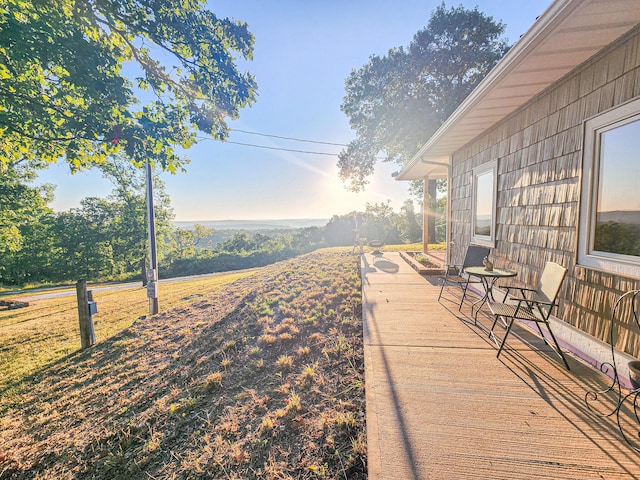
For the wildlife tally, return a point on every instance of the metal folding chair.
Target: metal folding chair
(533, 305)
(456, 275)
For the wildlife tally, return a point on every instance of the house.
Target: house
(543, 164)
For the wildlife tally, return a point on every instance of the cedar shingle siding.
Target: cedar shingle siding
(539, 152)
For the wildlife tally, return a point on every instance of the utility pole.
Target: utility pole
(152, 271)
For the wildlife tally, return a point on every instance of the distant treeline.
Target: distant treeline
(106, 239)
(201, 254)
(617, 237)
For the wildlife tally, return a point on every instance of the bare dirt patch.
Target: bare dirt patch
(263, 380)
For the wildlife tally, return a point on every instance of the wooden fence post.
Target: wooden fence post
(87, 333)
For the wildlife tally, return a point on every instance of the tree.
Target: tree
(242, 242)
(64, 93)
(202, 236)
(84, 240)
(128, 230)
(343, 229)
(20, 204)
(410, 229)
(106, 238)
(396, 101)
(39, 259)
(380, 222)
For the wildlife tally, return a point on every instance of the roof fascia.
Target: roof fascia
(526, 45)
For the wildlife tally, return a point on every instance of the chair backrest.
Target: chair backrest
(551, 281)
(474, 256)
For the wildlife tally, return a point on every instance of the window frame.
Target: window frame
(594, 127)
(488, 167)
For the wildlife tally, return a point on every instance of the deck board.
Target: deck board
(440, 404)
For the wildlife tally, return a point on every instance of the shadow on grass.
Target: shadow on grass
(198, 388)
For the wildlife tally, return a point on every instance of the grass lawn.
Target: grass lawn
(413, 247)
(33, 338)
(252, 376)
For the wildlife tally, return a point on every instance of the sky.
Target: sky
(304, 51)
(619, 171)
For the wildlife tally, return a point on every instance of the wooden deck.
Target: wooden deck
(440, 405)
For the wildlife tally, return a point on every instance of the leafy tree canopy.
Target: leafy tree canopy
(396, 101)
(20, 204)
(64, 94)
(102, 238)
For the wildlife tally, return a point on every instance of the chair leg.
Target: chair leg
(442, 288)
(504, 340)
(492, 335)
(544, 339)
(495, 321)
(555, 341)
(543, 336)
(464, 294)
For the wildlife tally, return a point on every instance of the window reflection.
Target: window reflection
(483, 224)
(617, 226)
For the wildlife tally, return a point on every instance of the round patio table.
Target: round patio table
(488, 279)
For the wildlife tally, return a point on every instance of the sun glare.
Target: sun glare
(346, 184)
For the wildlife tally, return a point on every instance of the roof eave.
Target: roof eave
(530, 47)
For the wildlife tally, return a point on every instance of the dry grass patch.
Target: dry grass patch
(197, 392)
(33, 338)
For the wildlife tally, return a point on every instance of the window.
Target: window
(483, 224)
(609, 236)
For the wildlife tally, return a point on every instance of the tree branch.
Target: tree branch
(14, 129)
(33, 102)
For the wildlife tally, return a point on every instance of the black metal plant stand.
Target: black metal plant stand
(620, 397)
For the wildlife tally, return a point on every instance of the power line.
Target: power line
(278, 148)
(282, 149)
(288, 138)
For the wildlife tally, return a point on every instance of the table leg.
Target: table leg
(490, 284)
(477, 305)
(487, 283)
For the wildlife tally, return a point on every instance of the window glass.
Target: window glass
(484, 204)
(617, 225)
(609, 235)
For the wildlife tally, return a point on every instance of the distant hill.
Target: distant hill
(255, 224)
(620, 216)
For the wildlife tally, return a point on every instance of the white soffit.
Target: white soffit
(568, 33)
